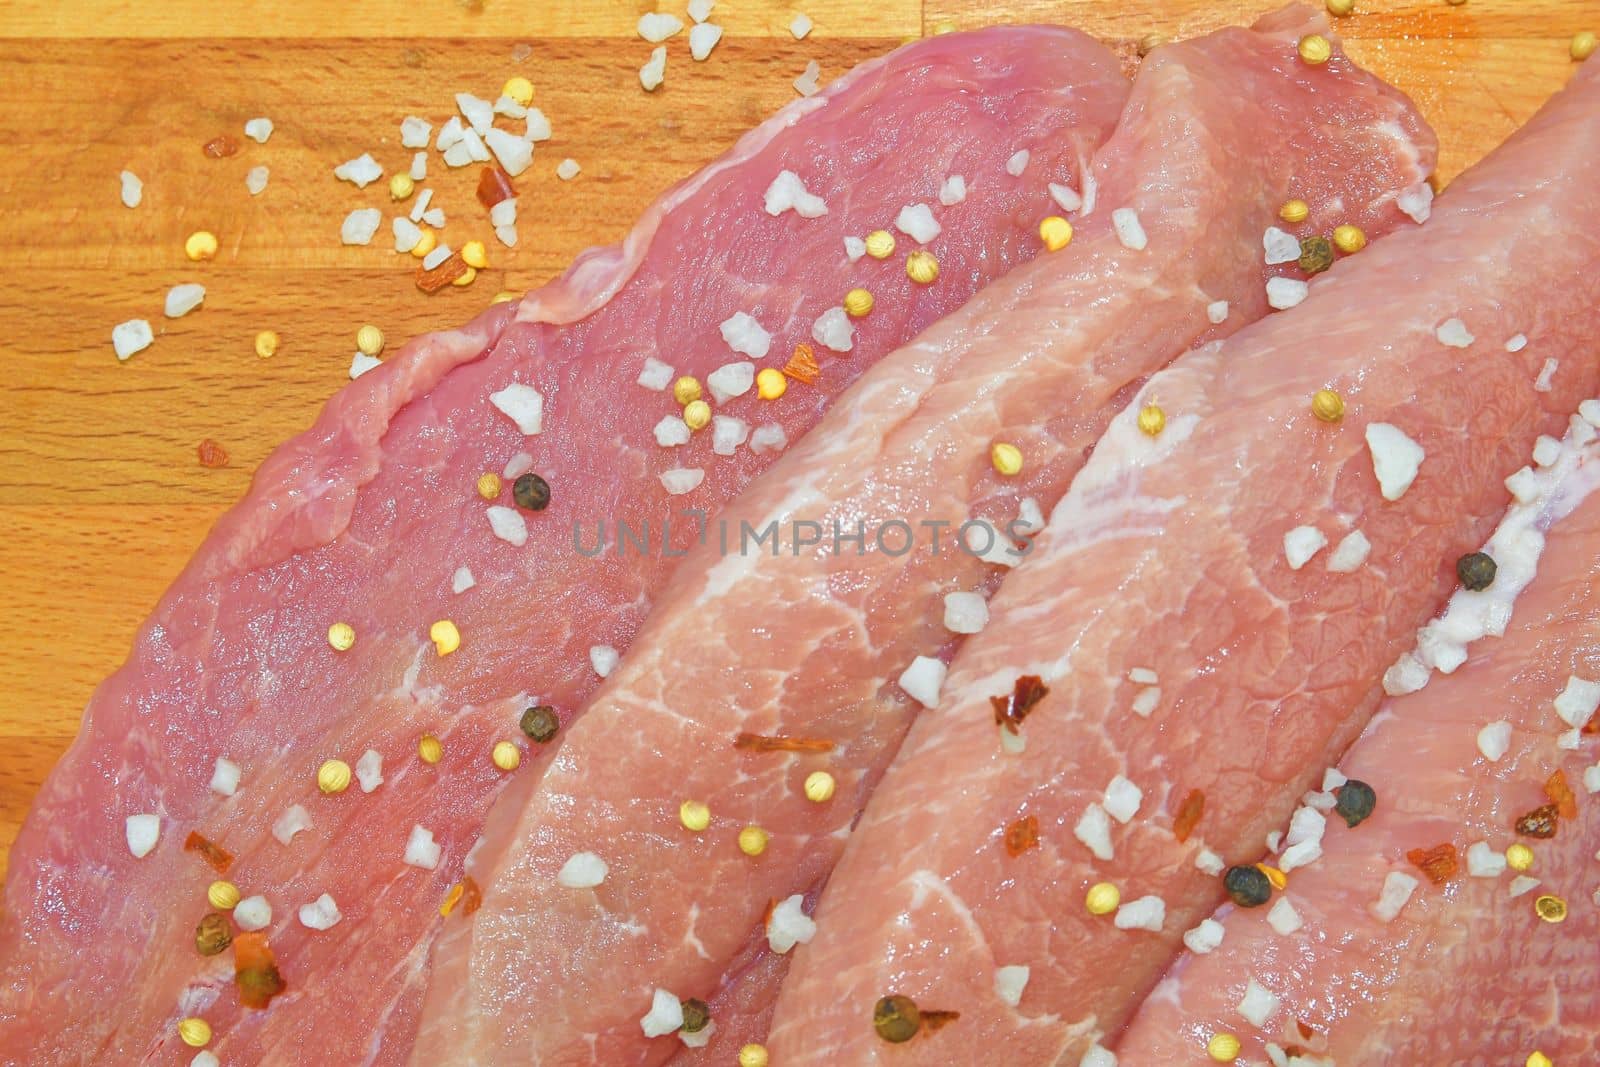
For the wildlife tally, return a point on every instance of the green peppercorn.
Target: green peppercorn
(1356, 801)
(540, 723)
(1247, 887)
(531, 492)
(1476, 571)
(213, 934)
(1316, 254)
(896, 1019)
(696, 1015)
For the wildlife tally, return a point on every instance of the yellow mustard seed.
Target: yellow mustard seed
(1006, 458)
(369, 340)
(445, 636)
(942, 28)
(1102, 898)
(425, 244)
(858, 303)
(201, 244)
(341, 635)
(753, 1055)
(401, 186)
(1583, 45)
(1327, 405)
(466, 278)
(694, 815)
(880, 244)
(333, 777)
(686, 390)
(519, 89)
(922, 268)
(430, 749)
(1315, 49)
(475, 254)
(266, 344)
(1055, 232)
(222, 895)
(771, 384)
(503, 296)
(1295, 211)
(1519, 857)
(1341, 8)
(1537, 1058)
(195, 1032)
(753, 840)
(506, 756)
(819, 787)
(1349, 239)
(1224, 1048)
(489, 485)
(697, 414)
(1152, 420)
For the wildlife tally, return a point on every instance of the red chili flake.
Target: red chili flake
(255, 970)
(1189, 812)
(802, 367)
(221, 147)
(1560, 794)
(764, 743)
(772, 906)
(935, 1019)
(1307, 1031)
(211, 852)
(431, 281)
(1010, 710)
(471, 896)
(1592, 727)
(1022, 835)
(494, 185)
(212, 454)
(1540, 822)
(1438, 863)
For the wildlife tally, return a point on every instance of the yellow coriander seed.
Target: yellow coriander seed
(858, 303)
(686, 390)
(1327, 405)
(1539, 1059)
(1007, 458)
(1152, 420)
(506, 756)
(880, 244)
(771, 384)
(1519, 857)
(466, 278)
(1315, 49)
(333, 776)
(475, 254)
(401, 186)
(922, 268)
(1583, 45)
(1295, 211)
(519, 89)
(1551, 909)
(445, 637)
(1055, 232)
(1102, 898)
(694, 815)
(819, 787)
(341, 635)
(425, 244)
(1224, 1048)
(222, 895)
(266, 344)
(369, 340)
(504, 295)
(489, 485)
(195, 1032)
(697, 414)
(753, 1055)
(753, 840)
(1349, 239)
(202, 244)
(430, 750)
(1341, 8)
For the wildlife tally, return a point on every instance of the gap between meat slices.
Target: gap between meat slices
(1177, 565)
(805, 643)
(374, 519)
(1479, 955)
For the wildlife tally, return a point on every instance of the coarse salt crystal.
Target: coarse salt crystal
(360, 226)
(1333, 778)
(1483, 861)
(320, 914)
(1130, 232)
(834, 330)
(290, 823)
(420, 208)
(656, 27)
(1578, 701)
(1258, 1004)
(1494, 740)
(369, 770)
(252, 913)
(1018, 163)
(568, 169)
(1546, 450)
(1521, 884)
(1285, 293)
(665, 1015)
(1010, 982)
(360, 363)
(255, 180)
(923, 680)
(435, 217)
(258, 130)
(917, 222)
(1274, 840)
(478, 112)
(361, 171)
(1397, 889)
(523, 405)
(854, 248)
(1300, 855)
(1350, 553)
(462, 580)
(1146, 913)
(450, 134)
(1098, 1056)
(799, 26)
(132, 189)
(1065, 196)
(727, 434)
(1146, 701)
(514, 153)
(953, 190)
(789, 925)
(768, 437)
(583, 870)
(1591, 778)
(142, 832)
(1094, 830)
(225, 777)
(1143, 676)
(406, 233)
(539, 125)
(1306, 824)
(1546, 377)
(504, 213)
(1395, 458)
(1030, 517)
(655, 375)
(1453, 333)
(1217, 312)
(651, 75)
(504, 105)
(1516, 342)
(1300, 544)
(806, 83)
(1416, 202)
(604, 659)
(681, 480)
(703, 37)
(731, 380)
(182, 299)
(506, 235)
(415, 132)
(131, 337)
(460, 153)
(1204, 937)
(1122, 799)
(700, 10)
(421, 849)
(744, 335)
(965, 613)
(788, 193)
(1283, 918)
(508, 525)
(1280, 246)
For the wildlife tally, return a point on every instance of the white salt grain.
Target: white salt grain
(360, 363)
(700, 10)
(290, 823)
(1350, 553)
(182, 299)
(1280, 246)
(1483, 861)
(568, 169)
(1217, 312)
(1397, 889)
(1130, 232)
(799, 26)
(361, 171)
(834, 330)
(1520, 885)
(1395, 458)
(1494, 740)
(787, 192)
(806, 84)
(744, 335)
(523, 405)
(923, 680)
(1018, 163)
(656, 27)
(768, 437)
(252, 913)
(255, 180)
(258, 130)
(360, 226)
(1122, 799)
(320, 914)
(651, 75)
(965, 613)
(953, 190)
(665, 1015)
(539, 126)
(655, 375)
(854, 248)
(1546, 377)
(1301, 543)
(508, 525)
(703, 37)
(421, 849)
(478, 112)
(604, 659)
(1146, 913)
(681, 480)
(514, 153)
(1204, 937)
(1517, 342)
(1285, 293)
(731, 380)
(225, 777)
(1283, 918)
(406, 233)
(132, 190)
(1258, 1004)
(131, 337)
(1454, 334)
(1065, 196)
(1010, 982)
(917, 222)
(415, 132)
(142, 832)
(1578, 701)
(504, 213)
(1146, 701)
(1094, 830)
(462, 580)
(789, 925)
(584, 870)
(727, 434)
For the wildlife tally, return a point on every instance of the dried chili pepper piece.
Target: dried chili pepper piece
(802, 366)
(764, 743)
(1021, 835)
(1561, 795)
(212, 454)
(1540, 822)
(1188, 817)
(213, 853)
(255, 971)
(1011, 709)
(494, 185)
(1439, 863)
(431, 281)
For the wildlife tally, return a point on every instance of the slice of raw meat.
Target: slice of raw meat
(1180, 655)
(782, 638)
(374, 518)
(1465, 969)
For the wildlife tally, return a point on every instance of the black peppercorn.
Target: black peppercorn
(896, 1019)
(1476, 571)
(540, 723)
(1316, 254)
(213, 934)
(696, 1015)
(1356, 801)
(531, 492)
(1247, 887)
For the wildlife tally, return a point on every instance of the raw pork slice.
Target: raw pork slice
(1465, 970)
(374, 518)
(1178, 655)
(785, 638)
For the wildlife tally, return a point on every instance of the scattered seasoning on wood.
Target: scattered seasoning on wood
(464, 893)
(531, 492)
(696, 1015)
(1316, 254)
(213, 934)
(1355, 802)
(1540, 822)
(213, 853)
(1476, 571)
(1021, 835)
(1439, 863)
(255, 970)
(1247, 887)
(764, 743)
(1561, 795)
(1011, 709)
(212, 454)
(802, 366)
(494, 185)
(1189, 812)
(896, 1019)
(540, 723)
(431, 281)
(221, 147)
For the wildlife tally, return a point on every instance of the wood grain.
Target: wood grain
(102, 498)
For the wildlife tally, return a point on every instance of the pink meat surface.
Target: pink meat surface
(1168, 556)
(368, 516)
(1370, 989)
(803, 640)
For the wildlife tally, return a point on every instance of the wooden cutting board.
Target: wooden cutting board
(102, 497)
